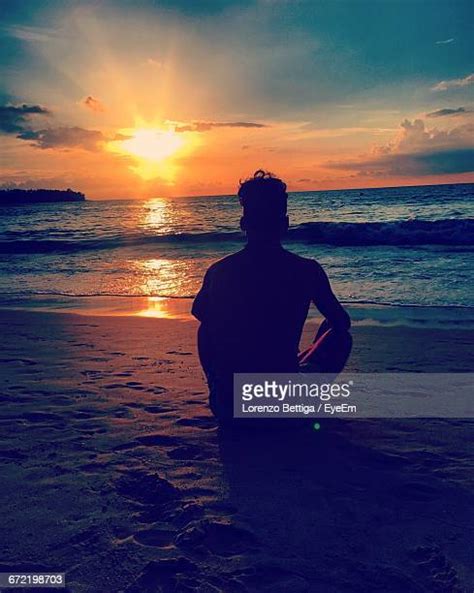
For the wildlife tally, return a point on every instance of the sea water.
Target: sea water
(407, 246)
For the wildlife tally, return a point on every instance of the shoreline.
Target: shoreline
(362, 314)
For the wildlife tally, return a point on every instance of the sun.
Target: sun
(153, 150)
(152, 145)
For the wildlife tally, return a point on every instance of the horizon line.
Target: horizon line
(289, 192)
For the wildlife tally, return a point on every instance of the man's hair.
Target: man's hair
(263, 198)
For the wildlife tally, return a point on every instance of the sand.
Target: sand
(113, 471)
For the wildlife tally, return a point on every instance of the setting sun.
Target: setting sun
(153, 148)
(152, 145)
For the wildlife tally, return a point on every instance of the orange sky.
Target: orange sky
(171, 108)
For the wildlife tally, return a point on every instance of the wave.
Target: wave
(405, 232)
(450, 232)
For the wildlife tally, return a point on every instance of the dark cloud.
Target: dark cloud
(417, 151)
(93, 104)
(446, 112)
(16, 118)
(205, 126)
(64, 137)
(441, 162)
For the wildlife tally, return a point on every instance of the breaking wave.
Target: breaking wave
(455, 232)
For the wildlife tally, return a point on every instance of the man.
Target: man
(253, 304)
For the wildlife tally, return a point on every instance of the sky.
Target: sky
(129, 99)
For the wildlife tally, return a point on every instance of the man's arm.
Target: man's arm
(205, 348)
(327, 303)
(201, 310)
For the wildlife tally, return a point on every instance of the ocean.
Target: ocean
(405, 246)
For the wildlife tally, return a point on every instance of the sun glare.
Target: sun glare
(152, 145)
(153, 149)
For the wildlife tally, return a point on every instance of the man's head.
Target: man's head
(264, 199)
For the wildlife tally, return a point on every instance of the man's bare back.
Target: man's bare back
(253, 304)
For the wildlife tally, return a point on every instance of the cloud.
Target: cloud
(204, 126)
(15, 118)
(445, 41)
(64, 137)
(447, 111)
(454, 83)
(417, 151)
(155, 63)
(93, 104)
(441, 162)
(31, 34)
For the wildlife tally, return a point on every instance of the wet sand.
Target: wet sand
(113, 471)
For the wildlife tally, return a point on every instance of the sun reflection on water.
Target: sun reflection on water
(158, 216)
(161, 307)
(160, 269)
(155, 307)
(165, 277)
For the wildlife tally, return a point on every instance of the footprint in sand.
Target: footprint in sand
(184, 514)
(271, 578)
(165, 575)
(147, 488)
(163, 440)
(221, 539)
(188, 452)
(157, 538)
(157, 409)
(12, 455)
(416, 492)
(41, 417)
(203, 422)
(436, 569)
(93, 468)
(126, 447)
(88, 536)
(223, 507)
(86, 414)
(156, 390)
(23, 361)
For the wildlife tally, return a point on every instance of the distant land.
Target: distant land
(38, 196)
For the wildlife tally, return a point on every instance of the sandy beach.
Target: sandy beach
(291, 182)
(114, 471)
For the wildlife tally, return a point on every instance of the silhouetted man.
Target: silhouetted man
(253, 304)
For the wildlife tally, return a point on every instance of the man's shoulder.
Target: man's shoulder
(306, 263)
(225, 262)
(288, 259)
